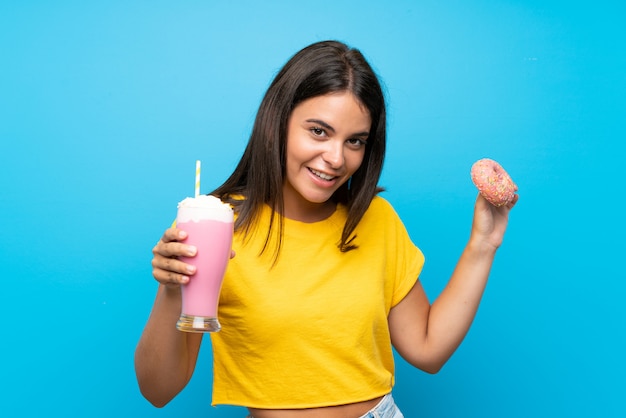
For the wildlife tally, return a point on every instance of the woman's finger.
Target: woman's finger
(173, 249)
(171, 270)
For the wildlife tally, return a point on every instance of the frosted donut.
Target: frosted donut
(493, 182)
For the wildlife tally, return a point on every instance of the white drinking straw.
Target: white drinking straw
(197, 178)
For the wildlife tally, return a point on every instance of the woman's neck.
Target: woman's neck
(309, 212)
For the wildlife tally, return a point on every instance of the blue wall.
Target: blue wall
(105, 106)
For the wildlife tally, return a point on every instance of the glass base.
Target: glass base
(190, 323)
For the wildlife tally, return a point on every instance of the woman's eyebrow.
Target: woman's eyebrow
(330, 128)
(321, 123)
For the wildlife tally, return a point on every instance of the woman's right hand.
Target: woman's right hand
(167, 269)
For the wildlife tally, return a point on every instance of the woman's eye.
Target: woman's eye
(317, 131)
(356, 142)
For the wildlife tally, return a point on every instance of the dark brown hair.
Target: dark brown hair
(319, 69)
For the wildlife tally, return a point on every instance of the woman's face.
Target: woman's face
(326, 139)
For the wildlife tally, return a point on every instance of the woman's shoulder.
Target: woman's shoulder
(381, 216)
(380, 204)
(380, 211)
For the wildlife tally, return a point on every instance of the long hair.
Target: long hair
(319, 69)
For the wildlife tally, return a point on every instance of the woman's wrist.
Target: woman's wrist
(170, 290)
(480, 248)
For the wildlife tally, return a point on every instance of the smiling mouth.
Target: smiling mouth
(321, 175)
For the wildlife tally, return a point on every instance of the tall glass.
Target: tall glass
(209, 226)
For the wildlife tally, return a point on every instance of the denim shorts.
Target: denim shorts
(386, 408)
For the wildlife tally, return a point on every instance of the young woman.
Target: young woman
(325, 276)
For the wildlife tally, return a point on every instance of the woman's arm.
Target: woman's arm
(165, 358)
(427, 335)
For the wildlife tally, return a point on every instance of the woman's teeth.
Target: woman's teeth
(321, 175)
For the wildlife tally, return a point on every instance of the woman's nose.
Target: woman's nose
(333, 155)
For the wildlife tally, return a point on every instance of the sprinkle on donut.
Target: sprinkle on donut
(493, 182)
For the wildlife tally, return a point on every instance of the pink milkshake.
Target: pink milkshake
(209, 225)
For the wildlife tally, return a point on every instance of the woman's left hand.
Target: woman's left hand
(490, 222)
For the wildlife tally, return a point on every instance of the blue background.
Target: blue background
(105, 106)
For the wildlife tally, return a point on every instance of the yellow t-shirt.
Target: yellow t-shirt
(311, 330)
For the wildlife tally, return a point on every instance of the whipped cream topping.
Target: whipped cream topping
(204, 207)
